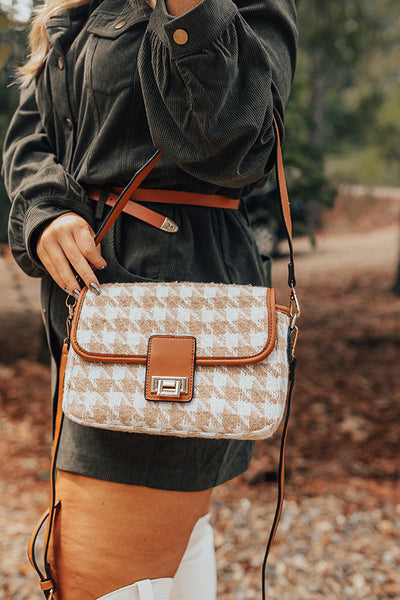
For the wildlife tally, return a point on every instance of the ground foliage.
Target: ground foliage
(338, 535)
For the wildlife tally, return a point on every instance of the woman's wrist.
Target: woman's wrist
(176, 8)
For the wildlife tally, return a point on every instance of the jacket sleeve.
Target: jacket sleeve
(38, 186)
(212, 79)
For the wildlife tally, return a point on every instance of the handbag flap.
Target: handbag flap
(232, 324)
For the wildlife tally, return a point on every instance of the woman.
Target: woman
(107, 82)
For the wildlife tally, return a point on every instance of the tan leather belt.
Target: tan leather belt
(163, 197)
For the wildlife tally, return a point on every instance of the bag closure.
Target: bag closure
(170, 368)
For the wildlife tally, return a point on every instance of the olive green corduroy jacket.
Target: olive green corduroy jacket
(119, 80)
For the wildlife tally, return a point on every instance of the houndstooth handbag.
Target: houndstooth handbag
(182, 359)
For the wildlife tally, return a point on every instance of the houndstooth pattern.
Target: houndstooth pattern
(245, 402)
(123, 317)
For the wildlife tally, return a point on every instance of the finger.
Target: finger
(59, 268)
(79, 263)
(84, 238)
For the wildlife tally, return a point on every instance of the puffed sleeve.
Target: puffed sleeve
(212, 79)
(38, 186)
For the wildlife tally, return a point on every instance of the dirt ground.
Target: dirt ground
(339, 534)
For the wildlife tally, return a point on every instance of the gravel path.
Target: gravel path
(340, 530)
(332, 545)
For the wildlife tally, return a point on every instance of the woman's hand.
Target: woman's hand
(67, 243)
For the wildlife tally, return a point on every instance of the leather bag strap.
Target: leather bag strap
(125, 195)
(47, 581)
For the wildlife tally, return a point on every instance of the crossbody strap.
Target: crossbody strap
(47, 581)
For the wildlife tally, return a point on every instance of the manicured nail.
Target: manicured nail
(101, 268)
(66, 289)
(76, 293)
(95, 289)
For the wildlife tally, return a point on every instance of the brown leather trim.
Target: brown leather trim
(200, 360)
(139, 212)
(170, 357)
(284, 309)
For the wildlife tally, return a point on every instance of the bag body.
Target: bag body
(238, 374)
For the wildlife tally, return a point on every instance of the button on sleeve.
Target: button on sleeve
(195, 29)
(180, 36)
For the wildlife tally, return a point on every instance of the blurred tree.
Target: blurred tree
(343, 120)
(331, 40)
(12, 53)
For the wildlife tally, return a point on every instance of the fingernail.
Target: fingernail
(76, 293)
(66, 289)
(95, 289)
(101, 268)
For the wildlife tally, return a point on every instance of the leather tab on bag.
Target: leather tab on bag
(170, 368)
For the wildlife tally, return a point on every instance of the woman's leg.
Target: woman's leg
(195, 578)
(109, 535)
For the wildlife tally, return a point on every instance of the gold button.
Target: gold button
(120, 25)
(60, 62)
(68, 123)
(180, 37)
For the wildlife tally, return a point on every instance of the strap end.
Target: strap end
(291, 276)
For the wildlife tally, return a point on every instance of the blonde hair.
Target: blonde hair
(38, 39)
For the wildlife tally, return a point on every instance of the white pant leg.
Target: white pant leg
(196, 577)
(155, 589)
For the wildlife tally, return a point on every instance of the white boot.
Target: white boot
(155, 589)
(196, 577)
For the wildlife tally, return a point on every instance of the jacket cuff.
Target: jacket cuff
(193, 30)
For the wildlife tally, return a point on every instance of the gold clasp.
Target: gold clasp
(295, 310)
(51, 594)
(70, 303)
(294, 336)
